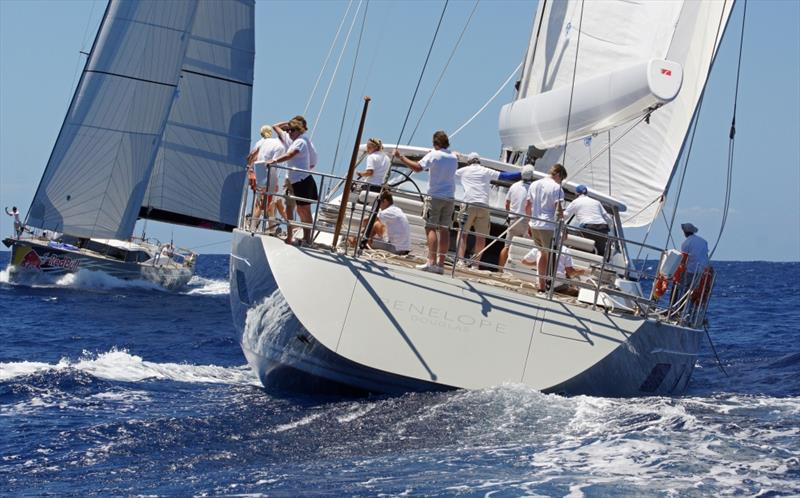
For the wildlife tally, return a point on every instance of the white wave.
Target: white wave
(119, 365)
(92, 279)
(4, 276)
(297, 423)
(207, 287)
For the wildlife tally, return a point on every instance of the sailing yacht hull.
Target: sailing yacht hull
(31, 260)
(316, 321)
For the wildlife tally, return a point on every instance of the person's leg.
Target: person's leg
(541, 268)
(289, 218)
(444, 244)
(430, 232)
(482, 228)
(304, 213)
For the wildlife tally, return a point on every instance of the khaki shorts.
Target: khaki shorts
(517, 228)
(542, 238)
(477, 218)
(438, 212)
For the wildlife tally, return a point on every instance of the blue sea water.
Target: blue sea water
(110, 388)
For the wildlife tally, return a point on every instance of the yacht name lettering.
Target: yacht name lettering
(443, 318)
(54, 260)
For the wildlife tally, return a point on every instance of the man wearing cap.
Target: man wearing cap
(516, 199)
(590, 215)
(697, 249)
(477, 183)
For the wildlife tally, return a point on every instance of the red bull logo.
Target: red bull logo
(56, 261)
(31, 260)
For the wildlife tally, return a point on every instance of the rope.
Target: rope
(349, 87)
(441, 75)
(336, 69)
(327, 58)
(714, 349)
(425, 65)
(572, 89)
(731, 139)
(514, 72)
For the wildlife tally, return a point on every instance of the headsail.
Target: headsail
(98, 170)
(615, 34)
(200, 166)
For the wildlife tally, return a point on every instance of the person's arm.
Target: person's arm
(573, 272)
(370, 168)
(8, 212)
(282, 135)
(285, 157)
(414, 165)
(510, 176)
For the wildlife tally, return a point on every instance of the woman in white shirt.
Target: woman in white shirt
(377, 165)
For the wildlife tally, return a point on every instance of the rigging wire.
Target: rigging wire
(572, 88)
(441, 75)
(327, 57)
(510, 76)
(336, 69)
(350, 86)
(422, 73)
(731, 139)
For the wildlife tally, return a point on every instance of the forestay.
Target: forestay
(613, 35)
(200, 166)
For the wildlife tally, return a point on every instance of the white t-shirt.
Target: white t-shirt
(378, 163)
(587, 211)
(544, 194)
(564, 262)
(442, 165)
(302, 160)
(697, 249)
(398, 230)
(476, 182)
(517, 196)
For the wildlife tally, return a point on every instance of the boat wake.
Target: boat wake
(121, 366)
(201, 286)
(82, 280)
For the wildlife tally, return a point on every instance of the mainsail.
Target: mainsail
(200, 166)
(100, 167)
(573, 41)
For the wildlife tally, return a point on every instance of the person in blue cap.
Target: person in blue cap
(591, 216)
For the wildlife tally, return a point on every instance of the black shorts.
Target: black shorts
(306, 189)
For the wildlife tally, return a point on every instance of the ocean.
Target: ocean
(113, 388)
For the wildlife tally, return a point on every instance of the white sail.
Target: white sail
(200, 167)
(98, 170)
(613, 35)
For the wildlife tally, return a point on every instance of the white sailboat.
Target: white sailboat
(157, 128)
(333, 317)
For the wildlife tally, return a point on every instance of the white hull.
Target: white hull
(314, 320)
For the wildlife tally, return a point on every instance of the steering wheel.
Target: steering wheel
(407, 178)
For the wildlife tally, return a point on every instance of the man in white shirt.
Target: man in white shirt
(591, 215)
(441, 165)
(391, 228)
(697, 249)
(516, 200)
(544, 206)
(18, 227)
(564, 270)
(477, 183)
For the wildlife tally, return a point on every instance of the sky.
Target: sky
(40, 62)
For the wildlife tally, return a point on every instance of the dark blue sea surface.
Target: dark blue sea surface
(111, 388)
